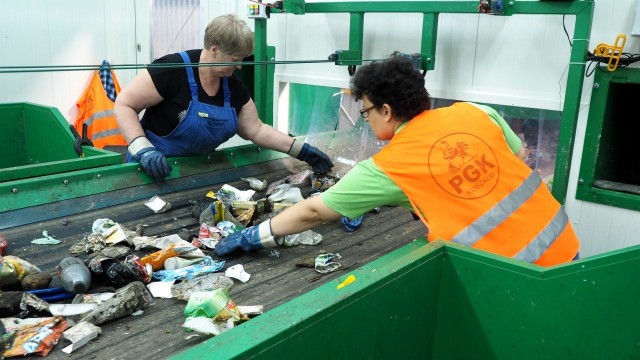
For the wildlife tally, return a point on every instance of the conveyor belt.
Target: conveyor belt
(157, 333)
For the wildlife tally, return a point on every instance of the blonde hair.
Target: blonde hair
(231, 34)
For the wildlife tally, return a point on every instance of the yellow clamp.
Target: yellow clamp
(613, 52)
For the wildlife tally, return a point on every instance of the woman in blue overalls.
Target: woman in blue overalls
(192, 110)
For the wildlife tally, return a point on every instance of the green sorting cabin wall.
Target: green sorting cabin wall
(443, 301)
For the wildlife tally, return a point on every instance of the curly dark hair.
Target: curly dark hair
(392, 81)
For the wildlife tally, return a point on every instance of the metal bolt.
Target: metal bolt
(273, 59)
(66, 182)
(259, 149)
(596, 85)
(14, 190)
(99, 176)
(175, 163)
(510, 3)
(209, 157)
(231, 154)
(580, 181)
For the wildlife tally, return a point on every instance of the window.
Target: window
(610, 166)
(537, 128)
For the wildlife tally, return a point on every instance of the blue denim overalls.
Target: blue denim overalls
(204, 127)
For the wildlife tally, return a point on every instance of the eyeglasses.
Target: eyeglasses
(365, 112)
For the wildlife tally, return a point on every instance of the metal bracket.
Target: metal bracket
(346, 57)
(351, 58)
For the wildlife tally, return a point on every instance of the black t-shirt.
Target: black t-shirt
(172, 84)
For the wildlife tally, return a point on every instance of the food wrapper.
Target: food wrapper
(33, 335)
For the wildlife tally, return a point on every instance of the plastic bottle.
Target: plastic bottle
(74, 274)
(156, 259)
(174, 263)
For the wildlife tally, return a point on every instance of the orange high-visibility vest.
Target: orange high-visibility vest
(96, 110)
(467, 186)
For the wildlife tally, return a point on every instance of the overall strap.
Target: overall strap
(192, 80)
(227, 92)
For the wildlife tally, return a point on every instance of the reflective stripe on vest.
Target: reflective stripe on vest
(503, 210)
(547, 236)
(99, 115)
(104, 133)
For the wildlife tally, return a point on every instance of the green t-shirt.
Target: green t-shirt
(366, 187)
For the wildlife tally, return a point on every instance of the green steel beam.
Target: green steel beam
(393, 7)
(460, 7)
(260, 54)
(428, 46)
(294, 6)
(270, 69)
(356, 34)
(573, 93)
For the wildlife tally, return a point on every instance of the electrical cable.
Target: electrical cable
(47, 68)
(625, 60)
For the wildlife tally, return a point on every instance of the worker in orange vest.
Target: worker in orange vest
(457, 168)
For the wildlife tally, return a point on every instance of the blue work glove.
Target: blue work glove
(250, 239)
(318, 160)
(152, 161)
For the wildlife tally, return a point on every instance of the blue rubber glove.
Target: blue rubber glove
(318, 160)
(152, 161)
(250, 239)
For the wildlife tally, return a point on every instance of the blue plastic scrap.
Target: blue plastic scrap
(352, 224)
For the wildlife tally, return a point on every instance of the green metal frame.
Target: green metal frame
(583, 10)
(597, 141)
(68, 181)
(445, 301)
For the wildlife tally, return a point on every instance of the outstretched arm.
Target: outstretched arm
(302, 216)
(251, 128)
(298, 218)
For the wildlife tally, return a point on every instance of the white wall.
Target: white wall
(62, 33)
(518, 60)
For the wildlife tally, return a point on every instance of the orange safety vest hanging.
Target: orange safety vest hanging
(467, 186)
(95, 109)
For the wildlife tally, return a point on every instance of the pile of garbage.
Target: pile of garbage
(102, 279)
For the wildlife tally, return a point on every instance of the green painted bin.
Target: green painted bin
(35, 140)
(444, 301)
